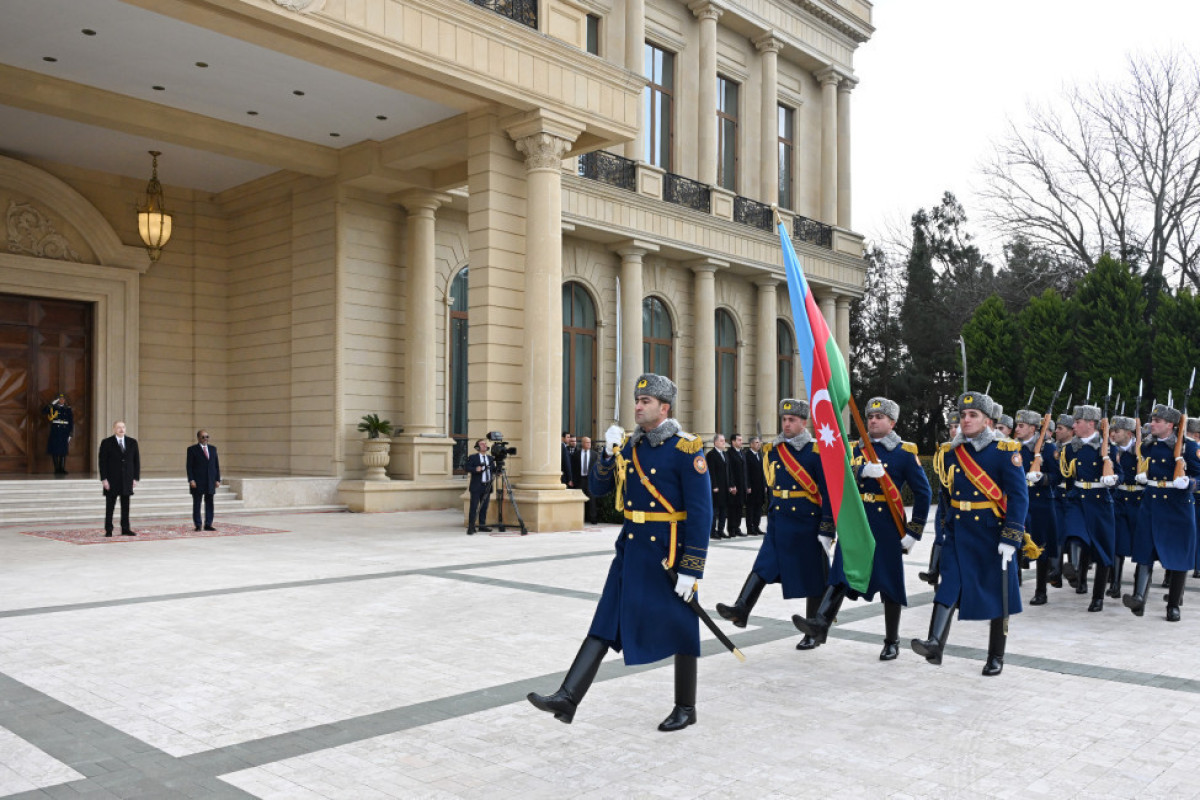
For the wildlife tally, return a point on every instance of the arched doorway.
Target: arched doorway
(579, 360)
(457, 372)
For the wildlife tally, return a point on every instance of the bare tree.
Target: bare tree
(1116, 169)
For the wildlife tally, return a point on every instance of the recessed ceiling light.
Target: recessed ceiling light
(335, 134)
(51, 59)
(88, 32)
(298, 93)
(252, 113)
(380, 117)
(201, 65)
(158, 88)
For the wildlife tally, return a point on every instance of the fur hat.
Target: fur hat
(1118, 423)
(1006, 421)
(1086, 412)
(881, 405)
(975, 400)
(793, 407)
(997, 411)
(952, 418)
(1166, 413)
(657, 386)
(1066, 420)
(1193, 425)
(1029, 417)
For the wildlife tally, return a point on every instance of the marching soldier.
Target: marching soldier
(1004, 424)
(661, 481)
(1041, 522)
(1091, 526)
(799, 525)
(1064, 431)
(939, 517)
(898, 467)
(988, 500)
(1166, 530)
(1127, 496)
(1193, 433)
(62, 427)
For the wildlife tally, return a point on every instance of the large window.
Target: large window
(727, 373)
(787, 154)
(785, 348)
(657, 342)
(579, 361)
(727, 131)
(458, 369)
(659, 106)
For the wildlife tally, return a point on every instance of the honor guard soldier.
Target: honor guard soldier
(661, 482)
(1127, 496)
(1041, 523)
(939, 516)
(1091, 525)
(1064, 431)
(800, 530)
(898, 466)
(1193, 433)
(988, 501)
(1004, 424)
(1166, 530)
(62, 427)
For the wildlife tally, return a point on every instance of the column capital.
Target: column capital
(706, 9)
(543, 150)
(847, 85)
(829, 75)
(843, 300)
(767, 281)
(543, 137)
(415, 200)
(768, 42)
(703, 265)
(633, 247)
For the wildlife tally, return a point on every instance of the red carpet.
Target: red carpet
(149, 533)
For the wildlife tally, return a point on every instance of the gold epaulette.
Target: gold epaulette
(1007, 445)
(909, 447)
(689, 443)
(816, 446)
(766, 449)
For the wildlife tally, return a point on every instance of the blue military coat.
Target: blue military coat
(1127, 498)
(62, 426)
(1166, 528)
(887, 569)
(971, 571)
(791, 554)
(639, 612)
(1089, 515)
(1041, 521)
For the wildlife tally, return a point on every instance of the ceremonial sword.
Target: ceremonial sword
(695, 606)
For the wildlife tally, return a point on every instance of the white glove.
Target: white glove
(613, 438)
(1141, 478)
(1108, 480)
(1182, 482)
(1033, 478)
(907, 543)
(872, 470)
(686, 586)
(1006, 551)
(826, 542)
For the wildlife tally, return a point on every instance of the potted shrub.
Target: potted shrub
(377, 446)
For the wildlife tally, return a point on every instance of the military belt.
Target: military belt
(1089, 485)
(1162, 484)
(874, 498)
(641, 517)
(1131, 487)
(793, 494)
(975, 505)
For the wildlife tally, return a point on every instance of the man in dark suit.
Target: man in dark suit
(581, 464)
(567, 478)
(204, 476)
(480, 466)
(718, 472)
(756, 487)
(120, 471)
(737, 485)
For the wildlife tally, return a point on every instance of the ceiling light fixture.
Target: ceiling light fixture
(154, 223)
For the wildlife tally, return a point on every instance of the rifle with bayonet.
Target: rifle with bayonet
(1181, 434)
(1107, 469)
(1137, 420)
(1036, 464)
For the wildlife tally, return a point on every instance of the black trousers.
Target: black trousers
(754, 511)
(591, 510)
(208, 509)
(479, 506)
(720, 509)
(110, 501)
(737, 502)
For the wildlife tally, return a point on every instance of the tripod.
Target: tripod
(504, 487)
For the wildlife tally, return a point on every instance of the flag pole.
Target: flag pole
(869, 449)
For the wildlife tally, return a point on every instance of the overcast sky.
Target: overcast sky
(940, 79)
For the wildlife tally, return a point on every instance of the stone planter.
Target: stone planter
(376, 454)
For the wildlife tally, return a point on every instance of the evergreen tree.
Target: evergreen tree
(1108, 313)
(993, 352)
(1047, 344)
(1176, 347)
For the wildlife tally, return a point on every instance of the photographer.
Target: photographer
(480, 467)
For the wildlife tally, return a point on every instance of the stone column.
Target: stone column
(829, 79)
(630, 346)
(827, 300)
(768, 160)
(703, 413)
(843, 152)
(421, 452)
(842, 331)
(768, 380)
(708, 13)
(635, 61)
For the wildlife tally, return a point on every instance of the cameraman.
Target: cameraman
(480, 466)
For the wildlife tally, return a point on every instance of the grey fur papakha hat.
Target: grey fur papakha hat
(1087, 413)
(977, 401)
(881, 405)
(657, 386)
(1029, 417)
(1119, 423)
(793, 407)
(1166, 413)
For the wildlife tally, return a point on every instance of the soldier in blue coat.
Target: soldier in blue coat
(939, 516)
(1041, 522)
(661, 481)
(800, 530)
(1127, 496)
(1091, 524)
(1193, 433)
(1064, 431)
(1166, 528)
(988, 500)
(898, 465)
(62, 427)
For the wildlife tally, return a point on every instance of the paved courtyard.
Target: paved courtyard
(388, 656)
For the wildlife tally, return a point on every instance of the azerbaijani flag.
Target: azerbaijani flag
(828, 386)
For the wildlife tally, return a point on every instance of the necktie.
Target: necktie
(121, 442)
(487, 473)
(584, 466)
(204, 447)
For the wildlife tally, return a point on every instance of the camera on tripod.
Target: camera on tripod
(500, 449)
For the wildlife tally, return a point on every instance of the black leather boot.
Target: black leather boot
(817, 626)
(1039, 591)
(1056, 574)
(1070, 566)
(1098, 587)
(939, 631)
(811, 604)
(996, 641)
(684, 713)
(1136, 602)
(739, 612)
(891, 635)
(1081, 580)
(562, 704)
(935, 563)
(1178, 579)
(1114, 589)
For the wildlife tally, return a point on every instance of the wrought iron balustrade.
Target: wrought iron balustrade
(522, 11)
(688, 193)
(609, 168)
(752, 213)
(813, 232)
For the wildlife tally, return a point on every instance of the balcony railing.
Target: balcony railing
(609, 168)
(752, 213)
(688, 193)
(522, 11)
(813, 232)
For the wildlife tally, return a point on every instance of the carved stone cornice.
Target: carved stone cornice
(30, 232)
(859, 33)
(301, 6)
